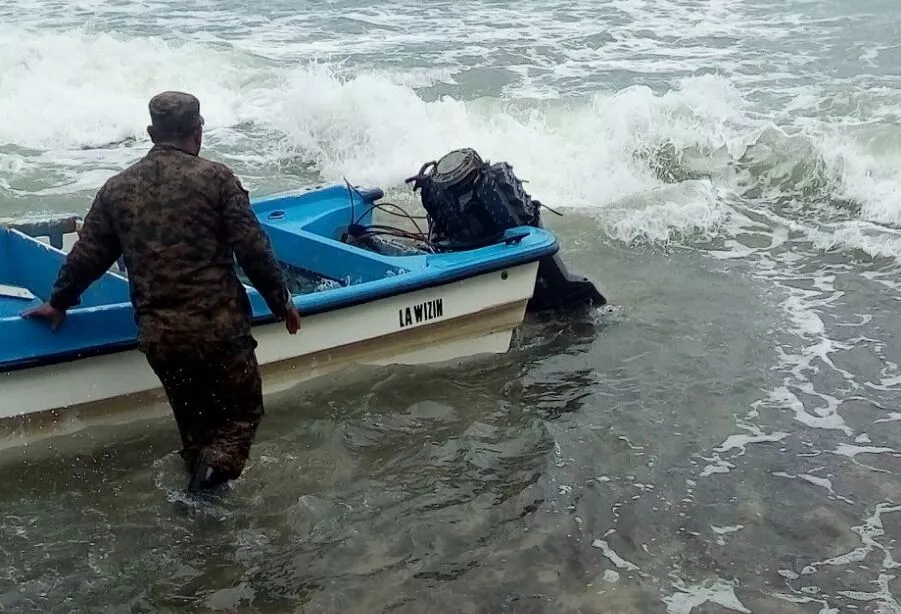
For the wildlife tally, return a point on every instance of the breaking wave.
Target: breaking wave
(654, 166)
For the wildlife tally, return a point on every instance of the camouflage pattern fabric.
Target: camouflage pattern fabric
(216, 395)
(176, 218)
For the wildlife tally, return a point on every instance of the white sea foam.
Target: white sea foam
(75, 87)
(717, 466)
(741, 442)
(817, 481)
(721, 531)
(614, 558)
(870, 532)
(716, 591)
(75, 91)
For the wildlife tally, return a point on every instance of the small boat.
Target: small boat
(368, 294)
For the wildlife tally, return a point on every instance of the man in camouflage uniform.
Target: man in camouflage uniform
(179, 220)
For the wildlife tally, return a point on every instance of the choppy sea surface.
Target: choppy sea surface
(725, 440)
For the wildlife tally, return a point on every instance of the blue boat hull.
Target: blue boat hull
(305, 230)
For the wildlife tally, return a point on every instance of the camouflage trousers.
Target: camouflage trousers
(215, 393)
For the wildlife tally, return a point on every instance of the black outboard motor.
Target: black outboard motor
(470, 202)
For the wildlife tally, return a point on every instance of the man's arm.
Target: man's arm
(95, 251)
(252, 248)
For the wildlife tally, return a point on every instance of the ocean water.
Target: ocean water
(724, 440)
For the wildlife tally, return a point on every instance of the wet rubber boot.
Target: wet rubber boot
(202, 478)
(205, 476)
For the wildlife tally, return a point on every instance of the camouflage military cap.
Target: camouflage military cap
(175, 113)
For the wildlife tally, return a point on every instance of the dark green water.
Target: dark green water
(723, 440)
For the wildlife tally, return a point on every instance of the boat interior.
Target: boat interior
(28, 269)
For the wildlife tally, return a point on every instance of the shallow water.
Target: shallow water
(722, 440)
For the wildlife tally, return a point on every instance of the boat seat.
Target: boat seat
(10, 291)
(15, 299)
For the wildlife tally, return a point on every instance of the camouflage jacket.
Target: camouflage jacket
(179, 221)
